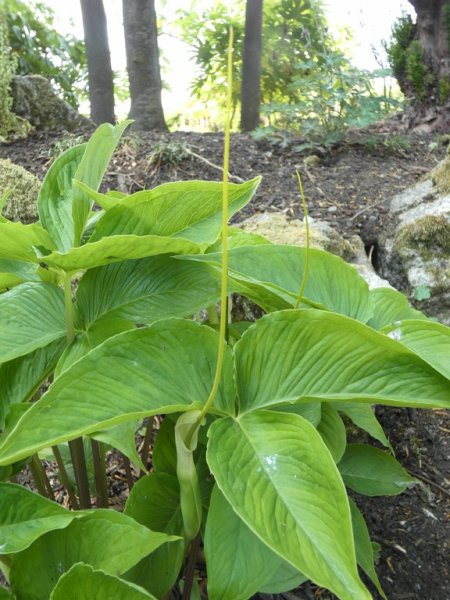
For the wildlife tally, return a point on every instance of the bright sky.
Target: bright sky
(369, 22)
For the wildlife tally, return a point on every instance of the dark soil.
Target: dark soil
(348, 188)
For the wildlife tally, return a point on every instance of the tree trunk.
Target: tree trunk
(100, 75)
(141, 43)
(428, 79)
(251, 66)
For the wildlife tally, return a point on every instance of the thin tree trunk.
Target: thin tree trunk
(251, 66)
(100, 75)
(141, 44)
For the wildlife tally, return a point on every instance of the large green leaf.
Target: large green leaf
(122, 437)
(117, 248)
(25, 516)
(13, 272)
(285, 578)
(363, 416)
(299, 356)
(191, 210)
(372, 472)
(31, 316)
(147, 290)
(238, 563)
(168, 367)
(20, 378)
(154, 502)
(92, 167)
(390, 306)
(56, 197)
(279, 477)
(431, 341)
(363, 546)
(331, 284)
(332, 431)
(17, 241)
(82, 582)
(6, 595)
(105, 539)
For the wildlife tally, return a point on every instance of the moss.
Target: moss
(440, 175)
(22, 188)
(430, 236)
(416, 71)
(444, 89)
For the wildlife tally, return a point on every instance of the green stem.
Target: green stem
(40, 478)
(101, 481)
(305, 272)
(212, 315)
(69, 308)
(65, 478)
(80, 470)
(224, 277)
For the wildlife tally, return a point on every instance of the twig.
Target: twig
(210, 164)
(431, 482)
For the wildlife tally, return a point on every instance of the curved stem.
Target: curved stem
(305, 272)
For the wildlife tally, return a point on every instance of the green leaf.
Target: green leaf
(390, 306)
(363, 546)
(301, 356)
(372, 472)
(6, 595)
(56, 197)
(25, 516)
(164, 455)
(332, 283)
(311, 411)
(20, 378)
(191, 210)
(13, 272)
(130, 376)
(238, 237)
(17, 241)
(363, 417)
(82, 582)
(332, 431)
(422, 292)
(31, 316)
(285, 578)
(147, 290)
(122, 437)
(279, 477)
(91, 170)
(154, 502)
(431, 341)
(117, 248)
(238, 563)
(36, 570)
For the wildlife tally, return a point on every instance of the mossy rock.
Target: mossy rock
(440, 176)
(430, 236)
(22, 188)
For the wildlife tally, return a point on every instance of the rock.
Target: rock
(35, 100)
(312, 160)
(278, 229)
(23, 188)
(414, 246)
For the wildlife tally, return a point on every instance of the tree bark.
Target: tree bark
(141, 44)
(431, 108)
(251, 66)
(100, 75)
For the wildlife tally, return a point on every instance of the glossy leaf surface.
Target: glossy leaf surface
(56, 197)
(390, 306)
(238, 563)
(154, 502)
(372, 472)
(36, 570)
(127, 377)
(82, 582)
(17, 241)
(279, 477)
(431, 341)
(148, 289)
(191, 210)
(31, 316)
(294, 356)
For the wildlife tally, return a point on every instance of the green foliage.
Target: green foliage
(415, 68)
(7, 69)
(401, 37)
(41, 50)
(170, 153)
(104, 302)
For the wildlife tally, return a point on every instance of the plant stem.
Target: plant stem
(69, 308)
(40, 478)
(80, 470)
(128, 472)
(65, 478)
(305, 272)
(147, 441)
(213, 319)
(101, 481)
(190, 568)
(224, 278)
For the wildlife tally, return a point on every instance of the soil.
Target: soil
(348, 186)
